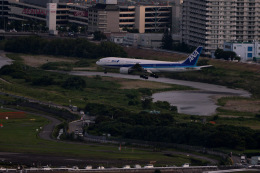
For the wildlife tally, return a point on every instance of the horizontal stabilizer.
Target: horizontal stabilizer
(205, 66)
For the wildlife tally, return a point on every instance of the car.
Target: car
(185, 165)
(100, 167)
(46, 168)
(148, 166)
(138, 166)
(88, 167)
(126, 167)
(13, 30)
(75, 167)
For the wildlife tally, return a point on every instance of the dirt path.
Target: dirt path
(38, 60)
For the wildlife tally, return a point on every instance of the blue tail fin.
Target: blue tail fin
(193, 58)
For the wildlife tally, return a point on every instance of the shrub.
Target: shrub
(74, 82)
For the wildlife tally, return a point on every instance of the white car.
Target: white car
(46, 168)
(138, 166)
(88, 167)
(185, 165)
(148, 166)
(126, 167)
(101, 167)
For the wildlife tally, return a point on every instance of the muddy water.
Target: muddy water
(189, 102)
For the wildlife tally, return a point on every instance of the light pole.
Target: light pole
(3, 18)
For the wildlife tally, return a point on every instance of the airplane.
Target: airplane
(128, 65)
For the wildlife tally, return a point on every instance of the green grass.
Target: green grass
(109, 93)
(20, 135)
(97, 90)
(251, 123)
(15, 57)
(230, 74)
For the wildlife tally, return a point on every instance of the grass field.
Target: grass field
(20, 135)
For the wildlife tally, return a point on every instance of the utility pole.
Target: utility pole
(3, 14)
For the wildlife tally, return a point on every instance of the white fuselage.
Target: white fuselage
(152, 65)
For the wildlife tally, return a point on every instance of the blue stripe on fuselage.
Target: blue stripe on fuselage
(151, 65)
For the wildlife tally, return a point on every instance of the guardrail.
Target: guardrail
(107, 169)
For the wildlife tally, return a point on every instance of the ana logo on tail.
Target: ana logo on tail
(193, 55)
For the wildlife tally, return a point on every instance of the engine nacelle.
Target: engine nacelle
(125, 70)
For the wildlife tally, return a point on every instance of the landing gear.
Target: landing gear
(153, 75)
(144, 76)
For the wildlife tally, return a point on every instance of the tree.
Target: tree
(74, 82)
(147, 103)
(107, 49)
(43, 81)
(98, 35)
(183, 47)
(167, 41)
(229, 55)
(218, 53)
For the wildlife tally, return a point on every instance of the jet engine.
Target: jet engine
(125, 70)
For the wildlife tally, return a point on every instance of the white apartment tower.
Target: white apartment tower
(248, 20)
(210, 23)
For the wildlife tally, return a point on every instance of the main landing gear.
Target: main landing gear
(146, 77)
(154, 75)
(143, 76)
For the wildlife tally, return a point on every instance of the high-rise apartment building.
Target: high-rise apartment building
(210, 23)
(248, 20)
(146, 18)
(104, 18)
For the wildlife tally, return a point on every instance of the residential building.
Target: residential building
(210, 23)
(152, 18)
(104, 18)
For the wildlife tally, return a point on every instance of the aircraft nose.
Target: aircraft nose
(98, 62)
